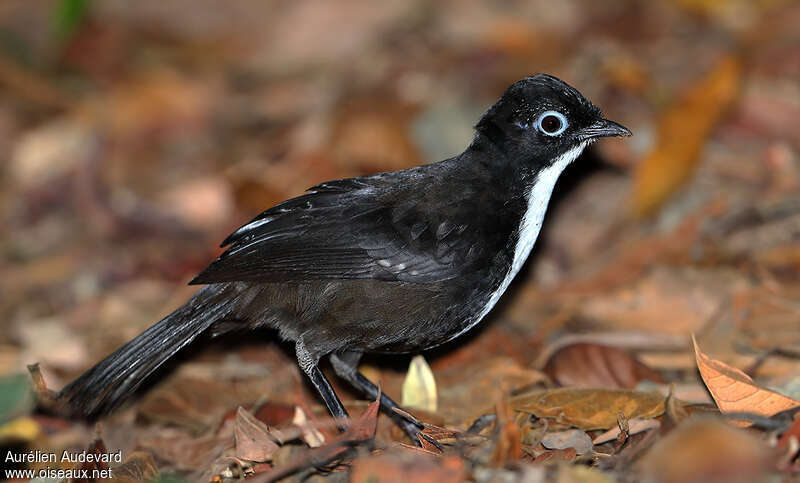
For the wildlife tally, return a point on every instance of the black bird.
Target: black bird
(390, 263)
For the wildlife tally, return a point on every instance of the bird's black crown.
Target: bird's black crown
(540, 117)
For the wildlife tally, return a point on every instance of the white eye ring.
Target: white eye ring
(544, 128)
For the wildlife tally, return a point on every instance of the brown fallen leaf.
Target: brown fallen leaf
(682, 132)
(593, 365)
(363, 428)
(589, 409)
(735, 392)
(254, 441)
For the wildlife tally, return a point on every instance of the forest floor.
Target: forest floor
(137, 135)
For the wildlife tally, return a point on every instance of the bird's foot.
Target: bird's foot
(414, 429)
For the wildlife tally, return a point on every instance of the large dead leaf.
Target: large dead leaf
(590, 409)
(682, 132)
(735, 392)
(593, 365)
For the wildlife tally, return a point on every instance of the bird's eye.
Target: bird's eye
(552, 123)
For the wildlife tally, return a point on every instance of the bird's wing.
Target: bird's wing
(346, 229)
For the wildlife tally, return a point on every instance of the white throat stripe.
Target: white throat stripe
(538, 198)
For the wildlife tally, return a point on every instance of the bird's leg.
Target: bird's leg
(345, 364)
(309, 365)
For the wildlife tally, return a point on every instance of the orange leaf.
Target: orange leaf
(735, 392)
(682, 132)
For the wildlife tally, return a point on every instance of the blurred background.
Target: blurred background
(134, 136)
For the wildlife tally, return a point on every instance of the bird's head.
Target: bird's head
(542, 119)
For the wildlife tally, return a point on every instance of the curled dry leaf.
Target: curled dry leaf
(593, 365)
(735, 392)
(589, 409)
(419, 387)
(254, 442)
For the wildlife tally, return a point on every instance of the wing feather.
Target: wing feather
(345, 229)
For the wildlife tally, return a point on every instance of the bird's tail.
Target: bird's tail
(112, 380)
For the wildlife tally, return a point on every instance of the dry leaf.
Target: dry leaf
(254, 442)
(735, 392)
(682, 132)
(592, 365)
(571, 438)
(363, 428)
(419, 387)
(589, 409)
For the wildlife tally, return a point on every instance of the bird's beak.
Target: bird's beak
(604, 129)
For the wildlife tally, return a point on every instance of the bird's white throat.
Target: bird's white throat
(538, 198)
